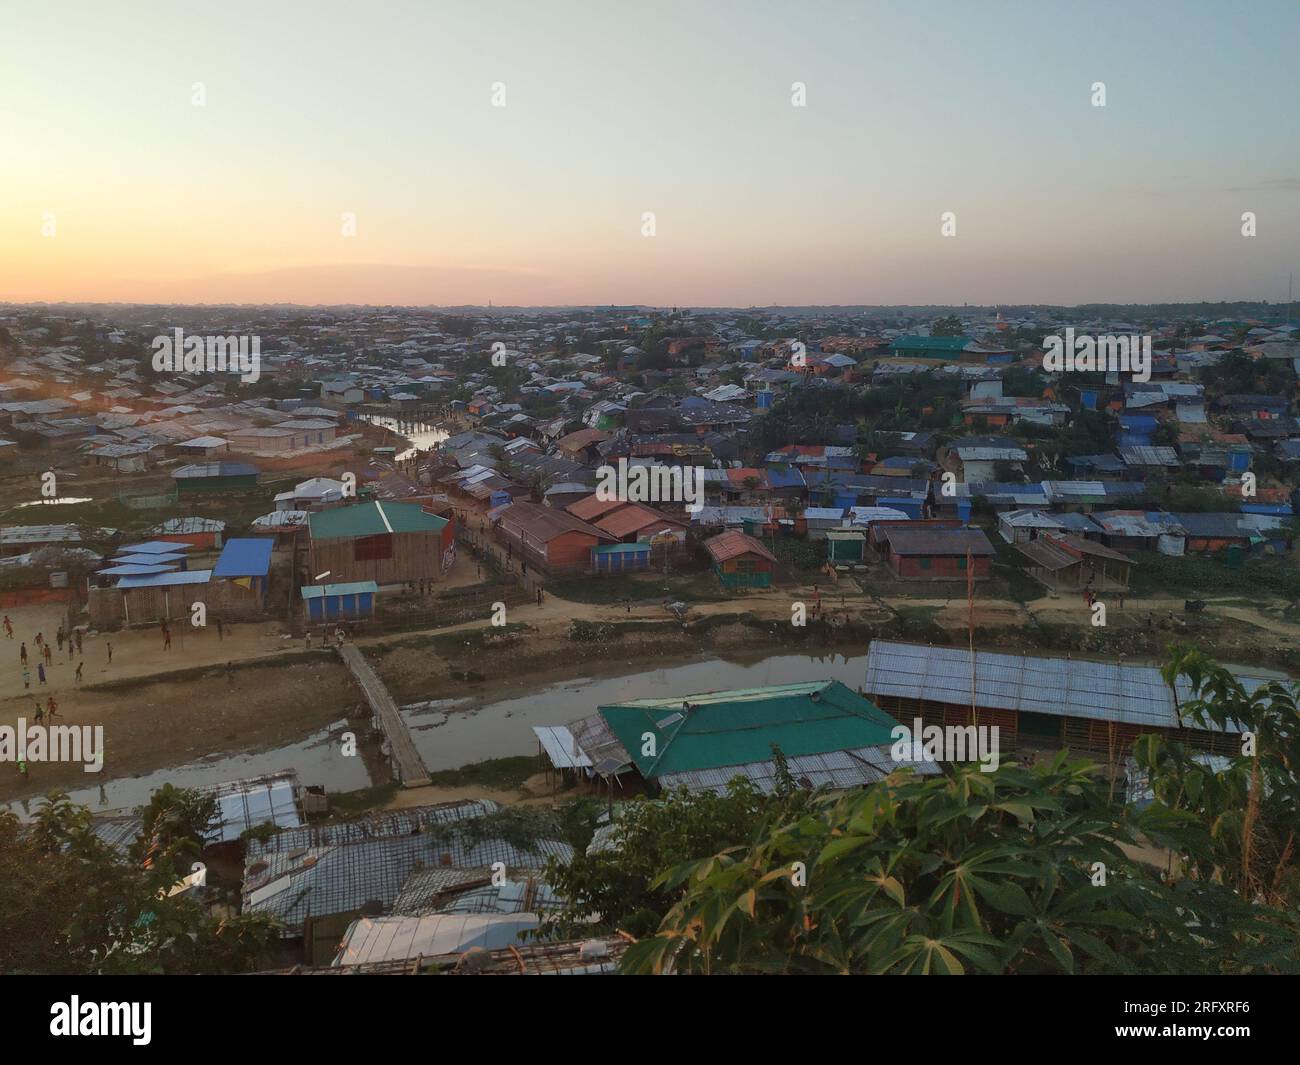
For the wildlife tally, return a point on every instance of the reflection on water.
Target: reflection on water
(447, 740)
(319, 759)
(450, 733)
(422, 435)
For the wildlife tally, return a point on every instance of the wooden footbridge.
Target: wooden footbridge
(406, 760)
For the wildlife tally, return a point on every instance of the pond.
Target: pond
(422, 435)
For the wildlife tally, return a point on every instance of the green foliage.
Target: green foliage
(520, 826)
(1250, 810)
(949, 326)
(1237, 373)
(174, 827)
(613, 886)
(1195, 576)
(984, 873)
(496, 773)
(72, 904)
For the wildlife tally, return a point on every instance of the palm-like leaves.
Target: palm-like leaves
(973, 873)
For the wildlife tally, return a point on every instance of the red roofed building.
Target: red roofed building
(939, 554)
(553, 541)
(740, 561)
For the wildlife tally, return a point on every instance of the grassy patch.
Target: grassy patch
(1194, 577)
(363, 800)
(292, 658)
(604, 591)
(449, 644)
(916, 624)
(803, 555)
(497, 774)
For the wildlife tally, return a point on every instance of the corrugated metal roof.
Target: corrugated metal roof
(313, 881)
(244, 804)
(373, 519)
(389, 938)
(836, 770)
(561, 747)
(383, 825)
(733, 728)
(1068, 687)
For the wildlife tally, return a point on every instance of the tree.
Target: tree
(947, 327)
(70, 903)
(1016, 871)
(1248, 809)
(613, 886)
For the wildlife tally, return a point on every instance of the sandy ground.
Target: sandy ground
(157, 723)
(136, 652)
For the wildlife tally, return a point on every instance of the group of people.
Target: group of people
(45, 652)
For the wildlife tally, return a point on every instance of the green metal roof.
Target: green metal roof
(945, 344)
(735, 727)
(372, 519)
(317, 591)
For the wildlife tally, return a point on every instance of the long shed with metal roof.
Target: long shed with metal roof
(1048, 702)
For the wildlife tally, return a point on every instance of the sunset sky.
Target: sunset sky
(384, 109)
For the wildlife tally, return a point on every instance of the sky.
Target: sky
(116, 186)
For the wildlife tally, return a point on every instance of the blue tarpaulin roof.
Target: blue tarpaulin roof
(784, 478)
(144, 558)
(245, 557)
(164, 580)
(135, 570)
(153, 547)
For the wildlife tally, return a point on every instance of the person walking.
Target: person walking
(72, 651)
(40, 671)
(40, 712)
(59, 636)
(27, 677)
(51, 708)
(48, 655)
(22, 654)
(109, 644)
(221, 630)
(167, 637)
(78, 677)
(40, 638)
(9, 627)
